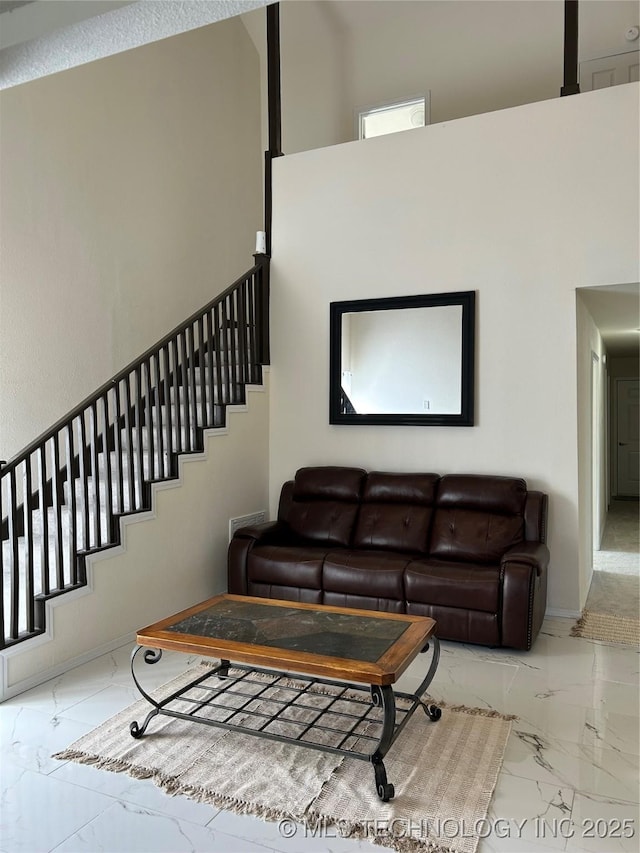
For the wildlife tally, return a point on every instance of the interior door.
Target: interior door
(609, 71)
(628, 418)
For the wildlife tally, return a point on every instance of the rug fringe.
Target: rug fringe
(606, 628)
(358, 830)
(173, 787)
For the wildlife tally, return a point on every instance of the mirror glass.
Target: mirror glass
(403, 360)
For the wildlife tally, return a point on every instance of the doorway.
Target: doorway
(611, 345)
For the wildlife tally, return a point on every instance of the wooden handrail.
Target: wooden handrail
(261, 262)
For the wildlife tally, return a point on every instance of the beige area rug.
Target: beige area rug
(444, 772)
(606, 627)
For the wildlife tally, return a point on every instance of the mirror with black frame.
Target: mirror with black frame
(403, 360)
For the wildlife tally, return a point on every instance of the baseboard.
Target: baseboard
(58, 669)
(558, 613)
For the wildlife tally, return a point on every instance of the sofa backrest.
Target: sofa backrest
(477, 517)
(323, 504)
(396, 512)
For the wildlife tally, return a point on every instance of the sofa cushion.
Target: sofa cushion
(396, 512)
(464, 626)
(328, 482)
(477, 517)
(369, 573)
(448, 584)
(286, 566)
(324, 504)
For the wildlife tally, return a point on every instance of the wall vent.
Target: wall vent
(245, 520)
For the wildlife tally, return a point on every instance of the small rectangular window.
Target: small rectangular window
(392, 117)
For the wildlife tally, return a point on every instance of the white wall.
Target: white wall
(171, 559)
(474, 56)
(315, 71)
(130, 195)
(523, 206)
(592, 473)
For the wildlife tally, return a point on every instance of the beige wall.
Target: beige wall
(130, 193)
(474, 56)
(471, 204)
(170, 559)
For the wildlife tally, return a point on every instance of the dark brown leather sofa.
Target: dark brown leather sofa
(467, 550)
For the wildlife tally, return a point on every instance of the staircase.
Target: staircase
(63, 496)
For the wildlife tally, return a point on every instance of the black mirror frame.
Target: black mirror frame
(466, 299)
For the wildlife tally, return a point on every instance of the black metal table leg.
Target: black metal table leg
(432, 711)
(151, 656)
(383, 697)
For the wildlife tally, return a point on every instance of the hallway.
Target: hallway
(615, 586)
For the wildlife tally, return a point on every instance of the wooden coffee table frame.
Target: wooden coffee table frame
(359, 695)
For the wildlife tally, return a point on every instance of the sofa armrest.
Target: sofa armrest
(244, 540)
(523, 571)
(534, 554)
(267, 531)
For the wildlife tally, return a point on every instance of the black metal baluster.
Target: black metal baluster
(169, 407)
(27, 504)
(148, 417)
(74, 529)
(108, 488)
(158, 403)
(44, 516)
(185, 393)
(251, 299)
(12, 515)
(84, 482)
(176, 396)
(224, 348)
(57, 498)
(218, 327)
(2, 565)
(210, 333)
(128, 435)
(204, 409)
(243, 368)
(3, 635)
(139, 433)
(95, 472)
(118, 460)
(193, 414)
(232, 349)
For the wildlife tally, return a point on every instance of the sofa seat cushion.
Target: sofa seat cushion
(286, 566)
(372, 573)
(448, 584)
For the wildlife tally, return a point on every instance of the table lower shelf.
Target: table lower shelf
(358, 721)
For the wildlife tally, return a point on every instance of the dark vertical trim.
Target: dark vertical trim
(274, 109)
(273, 79)
(268, 202)
(570, 86)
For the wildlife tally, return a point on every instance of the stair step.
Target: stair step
(187, 408)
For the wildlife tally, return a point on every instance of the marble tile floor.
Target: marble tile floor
(569, 780)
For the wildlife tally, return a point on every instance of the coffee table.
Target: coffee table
(308, 674)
